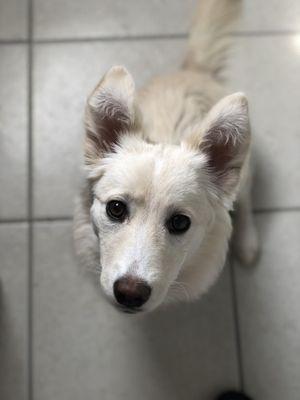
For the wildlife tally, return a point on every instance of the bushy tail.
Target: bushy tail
(209, 37)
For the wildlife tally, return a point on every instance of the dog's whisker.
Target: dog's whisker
(182, 288)
(93, 269)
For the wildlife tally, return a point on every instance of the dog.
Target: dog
(165, 166)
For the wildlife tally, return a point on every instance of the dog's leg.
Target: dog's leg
(245, 241)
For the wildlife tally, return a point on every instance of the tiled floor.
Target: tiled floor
(58, 340)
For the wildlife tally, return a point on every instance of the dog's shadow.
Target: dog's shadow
(262, 192)
(13, 356)
(262, 184)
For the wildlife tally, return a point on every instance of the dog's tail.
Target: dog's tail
(209, 37)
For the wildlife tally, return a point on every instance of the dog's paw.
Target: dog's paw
(246, 245)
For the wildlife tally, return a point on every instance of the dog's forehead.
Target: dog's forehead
(160, 171)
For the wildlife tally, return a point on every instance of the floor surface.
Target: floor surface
(58, 339)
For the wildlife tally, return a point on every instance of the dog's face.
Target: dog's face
(153, 204)
(150, 212)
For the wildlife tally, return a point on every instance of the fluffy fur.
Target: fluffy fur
(176, 145)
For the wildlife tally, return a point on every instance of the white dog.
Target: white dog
(165, 165)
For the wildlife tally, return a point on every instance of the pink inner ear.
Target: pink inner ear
(226, 147)
(107, 122)
(109, 127)
(220, 152)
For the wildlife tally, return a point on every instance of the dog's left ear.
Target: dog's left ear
(110, 112)
(224, 138)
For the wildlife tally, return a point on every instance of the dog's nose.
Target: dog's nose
(131, 292)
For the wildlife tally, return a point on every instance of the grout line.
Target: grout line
(35, 220)
(162, 36)
(68, 218)
(276, 210)
(145, 37)
(30, 391)
(53, 219)
(113, 38)
(285, 32)
(237, 331)
(5, 221)
(5, 42)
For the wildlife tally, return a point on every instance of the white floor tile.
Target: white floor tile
(13, 131)
(267, 70)
(13, 19)
(270, 15)
(13, 311)
(86, 349)
(269, 298)
(74, 18)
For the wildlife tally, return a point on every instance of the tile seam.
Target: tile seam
(140, 37)
(30, 388)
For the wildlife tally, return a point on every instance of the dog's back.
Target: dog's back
(171, 103)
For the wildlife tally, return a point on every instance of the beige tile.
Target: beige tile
(84, 348)
(13, 131)
(269, 297)
(267, 70)
(13, 19)
(74, 18)
(13, 311)
(271, 15)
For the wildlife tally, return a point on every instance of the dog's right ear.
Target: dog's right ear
(110, 112)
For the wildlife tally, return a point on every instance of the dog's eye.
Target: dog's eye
(178, 224)
(116, 210)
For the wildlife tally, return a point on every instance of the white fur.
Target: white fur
(160, 163)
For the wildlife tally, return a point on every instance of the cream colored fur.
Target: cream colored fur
(174, 145)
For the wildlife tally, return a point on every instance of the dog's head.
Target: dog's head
(160, 211)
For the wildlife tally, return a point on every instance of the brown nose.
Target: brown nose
(131, 292)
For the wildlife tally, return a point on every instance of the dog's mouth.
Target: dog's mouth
(128, 310)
